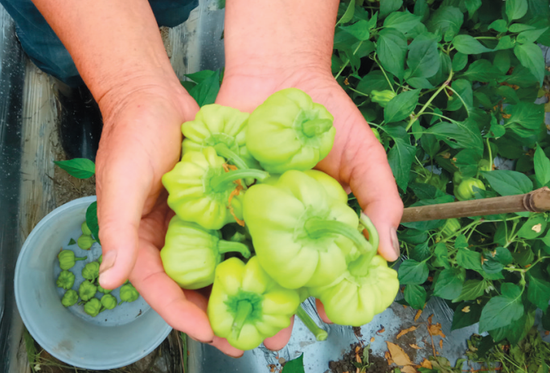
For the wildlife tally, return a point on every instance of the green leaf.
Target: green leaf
(503, 256)
(91, 220)
(421, 252)
(508, 183)
(499, 25)
(519, 27)
(491, 265)
(392, 48)
(415, 295)
(509, 94)
(530, 36)
(401, 106)
(542, 166)
(462, 319)
(506, 42)
(205, 92)
(459, 61)
(502, 61)
(71, 242)
(294, 366)
(421, 9)
(389, 6)
(503, 309)
(81, 168)
(359, 29)
(538, 290)
(402, 21)
(472, 290)
(516, 9)
(526, 114)
(515, 331)
(481, 71)
(413, 236)
(348, 14)
(419, 83)
(447, 21)
(423, 59)
(463, 89)
(412, 272)
(458, 135)
(374, 80)
(466, 44)
(530, 56)
(200, 76)
(497, 129)
(442, 255)
(449, 283)
(445, 66)
(472, 6)
(468, 259)
(533, 227)
(401, 158)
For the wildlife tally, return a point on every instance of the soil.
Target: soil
(377, 364)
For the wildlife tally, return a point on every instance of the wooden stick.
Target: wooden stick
(535, 201)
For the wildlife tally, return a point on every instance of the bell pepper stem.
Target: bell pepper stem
(77, 258)
(320, 227)
(230, 246)
(244, 308)
(315, 127)
(320, 334)
(374, 239)
(231, 176)
(230, 155)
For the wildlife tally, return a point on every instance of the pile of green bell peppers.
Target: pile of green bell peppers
(255, 221)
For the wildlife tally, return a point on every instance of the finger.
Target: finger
(167, 298)
(223, 345)
(280, 340)
(372, 182)
(121, 195)
(321, 311)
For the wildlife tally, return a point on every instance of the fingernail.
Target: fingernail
(207, 342)
(394, 241)
(107, 262)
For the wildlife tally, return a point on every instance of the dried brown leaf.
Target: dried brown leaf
(387, 355)
(417, 316)
(371, 339)
(415, 346)
(408, 369)
(435, 329)
(441, 343)
(426, 364)
(399, 356)
(405, 331)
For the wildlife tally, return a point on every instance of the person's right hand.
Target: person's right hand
(141, 141)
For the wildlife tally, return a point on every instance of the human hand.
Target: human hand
(141, 141)
(357, 160)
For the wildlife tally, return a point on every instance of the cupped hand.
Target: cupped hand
(141, 141)
(357, 160)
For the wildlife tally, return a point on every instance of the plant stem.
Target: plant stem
(77, 258)
(230, 155)
(320, 334)
(490, 154)
(244, 308)
(374, 239)
(231, 176)
(415, 117)
(316, 127)
(384, 72)
(316, 228)
(347, 62)
(460, 97)
(233, 247)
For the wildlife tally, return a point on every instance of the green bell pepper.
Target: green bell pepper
(382, 97)
(102, 290)
(87, 290)
(246, 306)
(367, 287)
(69, 298)
(85, 242)
(128, 293)
(301, 233)
(223, 128)
(465, 189)
(451, 226)
(91, 271)
(85, 229)
(289, 131)
(67, 259)
(191, 253)
(108, 301)
(92, 307)
(65, 280)
(202, 191)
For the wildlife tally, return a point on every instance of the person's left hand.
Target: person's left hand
(357, 160)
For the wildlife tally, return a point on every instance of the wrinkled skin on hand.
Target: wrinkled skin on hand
(141, 141)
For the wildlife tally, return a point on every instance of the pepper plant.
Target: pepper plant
(450, 89)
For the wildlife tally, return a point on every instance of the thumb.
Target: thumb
(121, 195)
(374, 187)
